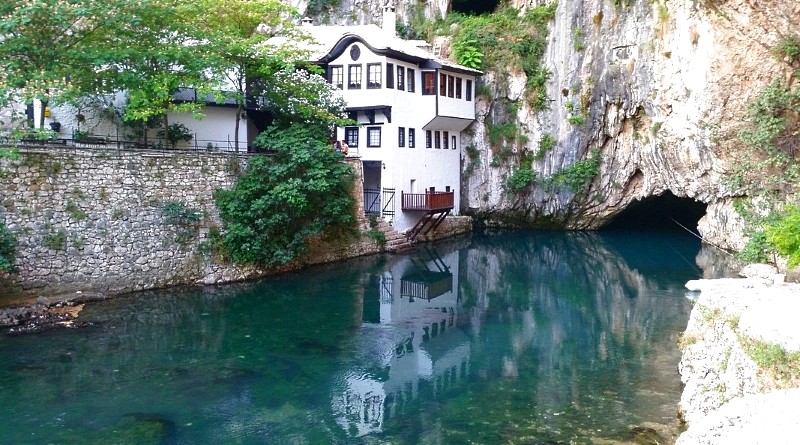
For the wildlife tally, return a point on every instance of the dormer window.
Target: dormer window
(374, 75)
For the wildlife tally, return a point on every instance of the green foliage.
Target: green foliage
(178, 213)
(506, 41)
(8, 248)
(784, 234)
(788, 48)
(522, 178)
(576, 176)
(757, 249)
(282, 200)
(500, 132)
(467, 53)
(577, 39)
(375, 233)
(546, 143)
(773, 358)
(184, 219)
(74, 211)
(55, 240)
(474, 158)
(175, 133)
(771, 137)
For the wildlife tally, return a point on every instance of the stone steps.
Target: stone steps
(395, 241)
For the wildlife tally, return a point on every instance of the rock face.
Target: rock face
(727, 394)
(662, 88)
(665, 86)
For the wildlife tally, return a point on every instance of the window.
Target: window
(428, 139)
(469, 90)
(443, 84)
(446, 139)
(353, 77)
(428, 82)
(453, 142)
(451, 86)
(437, 139)
(401, 137)
(351, 136)
(374, 75)
(389, 75)
(373, 136)
(410, 76)
(411, 138)
(401, 75)
(336, 76)
(458, 88)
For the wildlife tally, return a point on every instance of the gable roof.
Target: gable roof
(328, 43)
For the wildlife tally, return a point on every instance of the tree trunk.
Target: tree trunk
(239, 110)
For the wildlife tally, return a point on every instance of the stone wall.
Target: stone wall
(94, 220)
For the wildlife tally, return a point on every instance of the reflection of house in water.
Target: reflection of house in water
(410, 343)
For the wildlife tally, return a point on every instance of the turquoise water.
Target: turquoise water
(506, 338)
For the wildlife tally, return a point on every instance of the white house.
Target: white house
(412, 337)
(411, 107)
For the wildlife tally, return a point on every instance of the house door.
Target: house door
(372, 187)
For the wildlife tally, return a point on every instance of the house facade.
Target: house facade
(411, 107)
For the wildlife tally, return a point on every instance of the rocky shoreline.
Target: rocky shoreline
(46, 313)
(741, 361)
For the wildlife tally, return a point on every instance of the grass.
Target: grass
(773, 358)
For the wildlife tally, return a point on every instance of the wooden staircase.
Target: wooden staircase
(395, 242)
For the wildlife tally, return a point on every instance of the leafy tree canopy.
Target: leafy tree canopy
(62, 50)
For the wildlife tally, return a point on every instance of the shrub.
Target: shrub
(282, 200)
(520, 179)
(784, 235)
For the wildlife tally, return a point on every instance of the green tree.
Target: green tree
(238, 31)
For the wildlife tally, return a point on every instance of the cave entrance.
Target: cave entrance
(474, 7)
(663, 213)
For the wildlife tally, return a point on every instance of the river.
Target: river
(510, 337)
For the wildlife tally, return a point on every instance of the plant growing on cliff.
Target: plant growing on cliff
(8, 248)
(506, 41)
(784, 234)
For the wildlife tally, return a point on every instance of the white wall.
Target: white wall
(429, 167)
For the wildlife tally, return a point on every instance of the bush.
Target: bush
(784, 235)
(8, 248)
(284, 199)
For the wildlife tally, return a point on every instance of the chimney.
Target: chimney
(307, 21)
(389, 19)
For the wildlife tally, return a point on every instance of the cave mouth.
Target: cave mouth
(663, 213)
(474, 7)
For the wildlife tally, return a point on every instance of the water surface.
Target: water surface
(513, 337)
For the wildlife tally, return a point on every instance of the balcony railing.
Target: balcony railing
(430, 200)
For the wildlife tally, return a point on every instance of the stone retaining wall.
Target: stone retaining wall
(94, 219)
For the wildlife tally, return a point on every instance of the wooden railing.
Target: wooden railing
(428, 200)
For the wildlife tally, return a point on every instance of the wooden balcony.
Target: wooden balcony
(428, 201)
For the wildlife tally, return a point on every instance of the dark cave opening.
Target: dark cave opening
(663, 213)
(474, 7)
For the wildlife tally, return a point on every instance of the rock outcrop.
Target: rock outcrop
(733, 383)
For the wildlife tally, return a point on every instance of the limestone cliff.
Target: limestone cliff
(656, 90)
